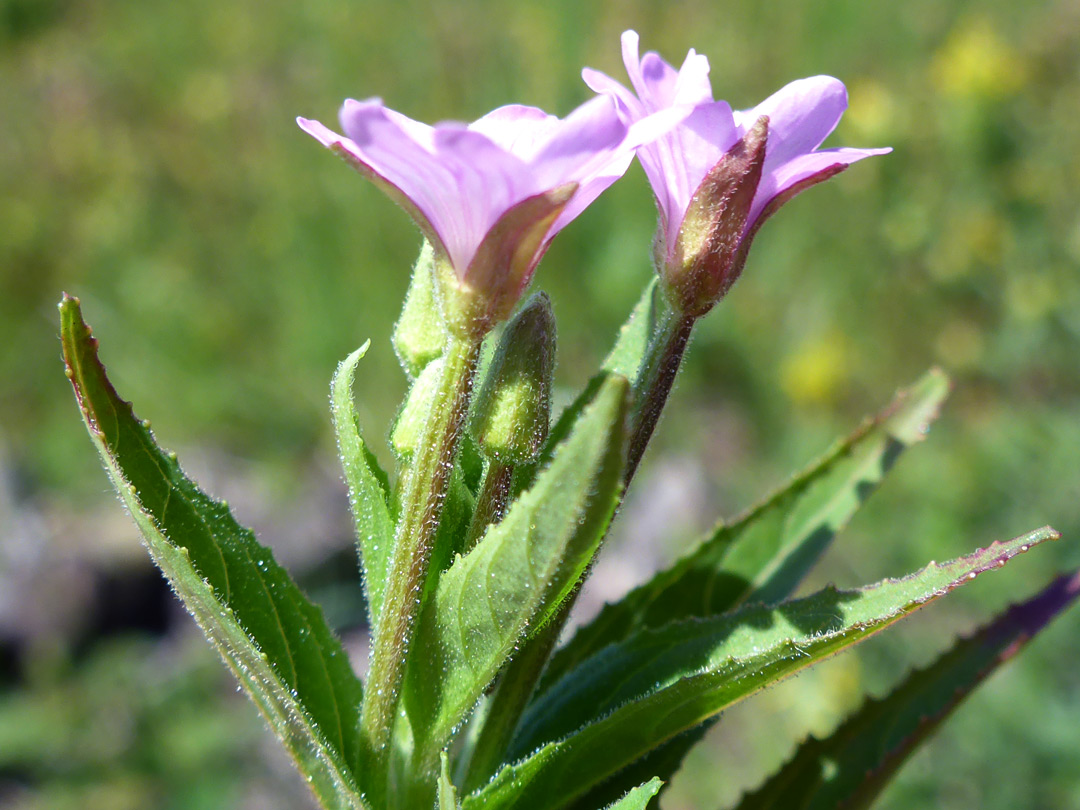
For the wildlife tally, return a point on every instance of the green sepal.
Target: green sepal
(631, 697)
(420, 333)
(367, 484)
(514, 579)
(764, 555)
(851, 766)
(269, 635)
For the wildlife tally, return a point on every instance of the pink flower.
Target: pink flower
(720, 174)
(491, 195)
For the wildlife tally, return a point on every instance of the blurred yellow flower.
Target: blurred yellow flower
(817, 371)
(975, 62)
(872, 113)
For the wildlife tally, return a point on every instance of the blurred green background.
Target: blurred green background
(151, 165)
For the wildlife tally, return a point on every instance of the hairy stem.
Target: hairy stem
(423, 495)
(654, 381)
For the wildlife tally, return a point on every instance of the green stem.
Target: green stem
(491, 500)
(652, 381)
(652, 385)
(423, 495)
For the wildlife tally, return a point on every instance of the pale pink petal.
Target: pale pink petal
(677, 162)
(518, 129)
(598, 82)
(458, 181)
(692, 85)
(802, 168)
(581, 144)
(386, 147)
(592, 187)
(801, 116)
(487, 181)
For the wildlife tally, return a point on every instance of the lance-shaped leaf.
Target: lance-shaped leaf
(764, 555)
(638, 798)
(631, 697)
(519, 572)
(849, 768)
(367, 486)
(274, 640)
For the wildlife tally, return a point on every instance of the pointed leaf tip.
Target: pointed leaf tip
(851, 766)
(367, 485)
(631, 696)
(763, 555)
(270, 636)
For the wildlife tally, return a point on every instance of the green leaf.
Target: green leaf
(664, 762)
(519, 572)
(638, 798)
(624, 359)
(447, 794)
(632, 696)
(637, 333)
(849, 768)
(367, 486)
(764, 555)
(273, 639)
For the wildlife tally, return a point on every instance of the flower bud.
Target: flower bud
(411, 419)
(420, 333)
(708, 253)
(512, 412)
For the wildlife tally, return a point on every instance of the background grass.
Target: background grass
(151, 165)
